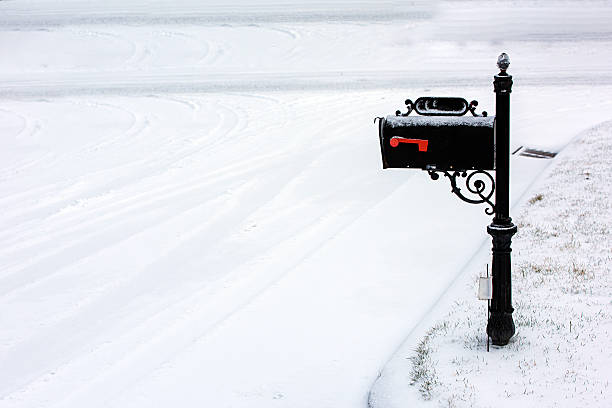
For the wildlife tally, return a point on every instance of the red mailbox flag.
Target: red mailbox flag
(396, 140)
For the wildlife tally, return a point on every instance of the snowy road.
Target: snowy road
(192, 206)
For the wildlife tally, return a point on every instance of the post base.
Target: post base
(500, 328)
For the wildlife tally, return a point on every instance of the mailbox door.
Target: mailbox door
(441, 142)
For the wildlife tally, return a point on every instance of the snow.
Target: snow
(476, 121)
(192, 206)
(561, 294)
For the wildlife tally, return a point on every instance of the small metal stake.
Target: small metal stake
(488, 313)
(485, 292)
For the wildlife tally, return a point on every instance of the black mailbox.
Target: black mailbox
(441, 139)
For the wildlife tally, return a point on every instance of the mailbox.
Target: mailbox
(443, 141)
(440, 139)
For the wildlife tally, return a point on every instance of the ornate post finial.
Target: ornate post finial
(503, 81)
(503, 62)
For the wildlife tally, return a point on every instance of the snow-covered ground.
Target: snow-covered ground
(192, 206)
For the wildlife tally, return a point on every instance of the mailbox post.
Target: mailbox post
(462, 148)
(501, 326)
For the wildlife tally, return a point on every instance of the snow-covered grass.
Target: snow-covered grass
(562, 287)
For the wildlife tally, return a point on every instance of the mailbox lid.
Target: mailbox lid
(440, 121)
(442, 142)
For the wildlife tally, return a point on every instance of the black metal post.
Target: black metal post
(500, 326)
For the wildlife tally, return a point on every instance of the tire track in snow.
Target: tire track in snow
(187, 322)
(54, 332)
(22, 119)
(264, 262)
(29, 130)
(52, 159)
(280, 154)
(208, 52)
(70, 221)
(148, 355)
(138, 124)
(91, 227)
(134, 48)
(143, 282)
(96, 216)
(98, 219)
(42, 206)
(294, 179)
(125, 140)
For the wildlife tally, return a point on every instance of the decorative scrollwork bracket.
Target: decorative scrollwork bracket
(409, 107)
(472, 109)
(440, 106)
(479, 183)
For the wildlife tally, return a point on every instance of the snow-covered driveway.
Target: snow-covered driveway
(192, 206)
